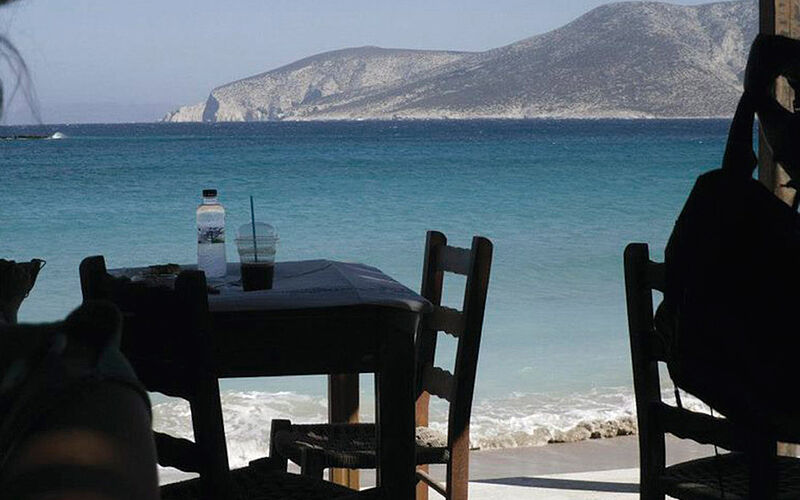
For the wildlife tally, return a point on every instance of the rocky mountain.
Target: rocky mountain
(629, 59)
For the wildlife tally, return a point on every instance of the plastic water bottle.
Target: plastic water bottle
(211, 235)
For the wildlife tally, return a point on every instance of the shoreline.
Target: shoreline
(438, 119)
(523, 421)
(515, 465)
(395, 120)
(518, 466)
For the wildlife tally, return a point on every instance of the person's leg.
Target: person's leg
(96, 446)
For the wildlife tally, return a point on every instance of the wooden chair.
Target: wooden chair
(319, 446)
(751, 469)
(165, 338)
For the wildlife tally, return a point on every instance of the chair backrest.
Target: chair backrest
(166, 338)
(465, 325)
(648, 349)
(642, 276)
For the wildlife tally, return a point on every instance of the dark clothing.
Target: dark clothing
(732, 296)
(73, 416)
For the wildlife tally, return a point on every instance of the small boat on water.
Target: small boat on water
(28, 137)
(23, 137)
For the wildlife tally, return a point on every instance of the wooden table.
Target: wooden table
(325, 317)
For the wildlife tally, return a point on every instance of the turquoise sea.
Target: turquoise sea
(559, 199)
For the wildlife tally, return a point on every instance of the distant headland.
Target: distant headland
(621, 60)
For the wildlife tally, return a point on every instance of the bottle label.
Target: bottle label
(211, 234)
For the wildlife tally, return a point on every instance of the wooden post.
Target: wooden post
(778, 17)
(781, 17)
(343, 402)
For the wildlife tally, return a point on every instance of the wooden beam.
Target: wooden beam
(781, 17)
(786, 19)
(778, 17)
(767, 16)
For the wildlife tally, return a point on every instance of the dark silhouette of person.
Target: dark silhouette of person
(74, 421)
(733, 262)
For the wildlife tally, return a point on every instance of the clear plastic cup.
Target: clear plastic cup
(257, 256)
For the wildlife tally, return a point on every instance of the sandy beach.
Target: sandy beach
(602, 469)
(594, 469)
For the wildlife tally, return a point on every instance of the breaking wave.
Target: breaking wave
(512, 421)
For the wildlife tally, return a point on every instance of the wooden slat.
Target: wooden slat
(698, 427)
(479, 263)
(438, 382)
(446, 319)
(427, 479)
(432, 279)
(454, 260)
(425, 344)
(176, 452)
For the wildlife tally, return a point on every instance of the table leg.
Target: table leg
(343, 400)
(394, 412)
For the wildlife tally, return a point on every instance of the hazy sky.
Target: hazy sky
(117, 60)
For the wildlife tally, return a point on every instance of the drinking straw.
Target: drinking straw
(253, 225)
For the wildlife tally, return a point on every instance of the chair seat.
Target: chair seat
(726, 476)
(352, 446)
(261, 481)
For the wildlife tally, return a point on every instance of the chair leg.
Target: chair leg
(310, 464)
(458, 470)
(652, 458)
(210, 440)
(278, 425)
(422, 486)
(763, 458)
(649, 492)
(649, 487)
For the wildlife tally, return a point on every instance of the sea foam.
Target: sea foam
(513, 421)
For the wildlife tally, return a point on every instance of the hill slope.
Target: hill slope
(630, 59)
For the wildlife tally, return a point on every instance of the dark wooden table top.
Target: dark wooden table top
(307, 284)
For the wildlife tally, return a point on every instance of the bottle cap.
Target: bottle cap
(209, 193)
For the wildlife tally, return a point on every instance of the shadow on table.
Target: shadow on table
(564, 484)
